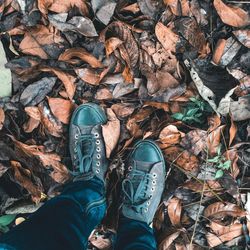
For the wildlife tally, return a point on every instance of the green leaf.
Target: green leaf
(214, 160)
(191, 112)
(219, 174)
(4, 229)
(5, 220)
(227, 165)
(178, 116)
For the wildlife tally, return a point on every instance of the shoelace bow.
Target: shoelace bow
(85, 149)
(138, 198)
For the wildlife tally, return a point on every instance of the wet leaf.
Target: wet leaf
(111, 132)
(231, 15)
(61, 109)
(243, 36)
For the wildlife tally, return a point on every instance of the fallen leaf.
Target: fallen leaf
(174, 211)
(150, 7)
(218, 210)
(111, 132)
(179, 8)
(214, 122)
(232, 132)
(89, 76)
(231, 15)
(170, 135)
(240, 109)
(122, 110)
(81, 53)
(213, 140)
(219, 50)
(105, 12)
(23, 176)
(61, 109)
(3, 170)
(112, 44)
(243, 37)
(103, 94)
(167, 242)
(2, 118)
(36, 92)
(166, 37)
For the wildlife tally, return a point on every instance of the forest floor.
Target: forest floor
(175, 71)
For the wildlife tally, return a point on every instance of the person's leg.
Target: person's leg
(142, 189)
(66, 221)
(134, 234)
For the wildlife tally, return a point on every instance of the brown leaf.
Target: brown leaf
(36, 38)
(213, 140)
(62, 6)
(170, 135)
(223, 233)
(103, 94)
(167, 242)
(194, 141)
(218, 210)
(122, 110)
(243, 36)
(166, 36)
(2, 118)
(174, 211)
(179, 8)
(219, 50)
(111, 132)
(232, 132)
(60, 172)
(34, 120)
(88, 75)
(61, 109)
(158, 105)
(81, 53)
(112, 44)
(99, 241)
(23, 177)
(213, 122)
(231, 15)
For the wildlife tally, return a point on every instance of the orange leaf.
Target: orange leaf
(170, 135)
(166, 36)
(111, 132)
(174, 211)
(61, 109)
(89, 76)
(232, 132)
(2, 118)
(122, 110)
(213, 140)
(167, 242)
(219, 50)
(81, 53)
(112, 44)
(231, 15)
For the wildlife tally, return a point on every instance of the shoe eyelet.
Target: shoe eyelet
(97, 142)
(76, 142)
(98, 164)
(146, 210)
(153, 189)
(130, 168)
(154, 175)
(148, 203)
(98, 149)
(76, 136)
(75, 157)
(154, 182)
(96, 135)
(98, 156)
(97, 171)
(127, 175)
(75, 149)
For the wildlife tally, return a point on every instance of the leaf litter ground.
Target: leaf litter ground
(175, 71)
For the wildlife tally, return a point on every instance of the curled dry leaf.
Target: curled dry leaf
(218, 210)
(223, 233)
(213, 140)
(111, 132)
(49, 160)
(166, 37)
(170, 135)
(2, 118)
(243, 37)
(61, 109)
(112, 44)
(167, 242)
(81, 53)
(122, 110)
(232, 15)
(174, 211)
(34, 120)
(214, 122)
(23, 178)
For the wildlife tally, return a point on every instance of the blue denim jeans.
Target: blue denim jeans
(66, 221)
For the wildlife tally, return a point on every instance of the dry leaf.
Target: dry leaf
(243, 36)
(81, 53)
(218, 210)
(34, 120)
(170, 135)
(219, 50)
(89, 76)
(214, 122)
(167, 242)
(231, 15)
(122, 110)
(103, 94)
(213, 140)
(23, 177)
(61, 109)
(166, 36)
(2, 118)
(174, 211)
(232, 132)
(111, 132)
(179, 8)
(112, 44)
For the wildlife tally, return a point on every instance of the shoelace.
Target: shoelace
(139, 198)
(85, 147)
